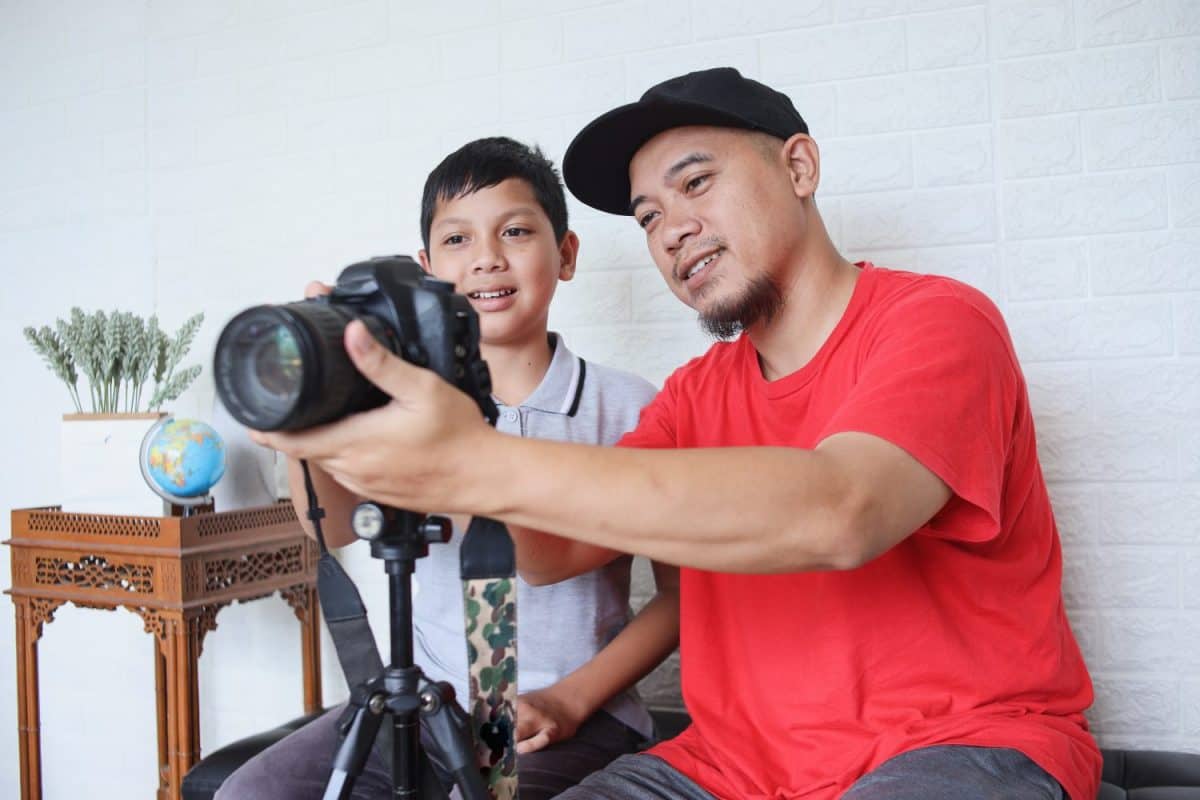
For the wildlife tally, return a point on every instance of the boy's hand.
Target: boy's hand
(413, 452)
(546, 716)
(316, 289)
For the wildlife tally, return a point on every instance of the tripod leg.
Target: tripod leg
(449, 728)
(358, 727)
(406, 755)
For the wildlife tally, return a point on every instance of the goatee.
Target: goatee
(760, 302)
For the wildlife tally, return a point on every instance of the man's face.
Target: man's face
(720, 216)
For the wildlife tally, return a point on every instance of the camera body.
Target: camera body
(285, 367)
(429, 325)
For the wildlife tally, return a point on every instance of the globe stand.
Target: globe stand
(190, 505)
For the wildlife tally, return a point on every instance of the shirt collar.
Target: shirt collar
(562, 385)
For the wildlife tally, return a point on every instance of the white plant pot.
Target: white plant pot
(99, 467)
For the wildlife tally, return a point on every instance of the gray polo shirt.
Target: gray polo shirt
(559, 627)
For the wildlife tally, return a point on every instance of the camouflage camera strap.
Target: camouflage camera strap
(488, 567)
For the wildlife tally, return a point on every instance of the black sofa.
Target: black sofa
(1128, 774)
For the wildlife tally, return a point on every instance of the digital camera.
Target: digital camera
(285, 367)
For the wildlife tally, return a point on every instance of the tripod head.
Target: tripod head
(396, 534)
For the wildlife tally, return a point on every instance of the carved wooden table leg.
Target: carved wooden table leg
(303, 600)
(179, 655)
(160, 703)
(31, 613)
(28, 740)
(179, 640)
(310, 631)
(156, 626)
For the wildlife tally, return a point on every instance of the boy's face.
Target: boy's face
(497, 246)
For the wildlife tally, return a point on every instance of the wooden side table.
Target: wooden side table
(176, 573)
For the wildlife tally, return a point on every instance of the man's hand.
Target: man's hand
(411, 453)
(547, 716)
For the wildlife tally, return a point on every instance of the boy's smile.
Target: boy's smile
(490, 300)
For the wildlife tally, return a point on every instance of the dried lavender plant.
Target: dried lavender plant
(53, 351)
(169, 385)
(117, 354)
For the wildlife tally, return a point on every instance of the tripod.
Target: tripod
(401, 691)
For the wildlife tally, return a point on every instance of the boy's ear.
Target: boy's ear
(423, 257)
(568, 253)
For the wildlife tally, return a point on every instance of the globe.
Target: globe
(182, 459)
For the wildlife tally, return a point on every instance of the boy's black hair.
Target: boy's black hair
(486, 162)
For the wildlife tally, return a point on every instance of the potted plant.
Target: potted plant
(119, 356)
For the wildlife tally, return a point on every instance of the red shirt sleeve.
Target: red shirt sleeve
(656, 424)
(938, 378)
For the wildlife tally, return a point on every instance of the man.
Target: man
(871, 596)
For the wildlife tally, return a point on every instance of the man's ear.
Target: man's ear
(804, 164)
(423, 257)
(568, 254)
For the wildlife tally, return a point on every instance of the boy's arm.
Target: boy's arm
(337, 501)
(556, 712)
(543, 558)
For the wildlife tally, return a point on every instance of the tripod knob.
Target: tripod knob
(368, 521)
(435, 529)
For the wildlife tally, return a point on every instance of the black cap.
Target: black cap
(596, 166)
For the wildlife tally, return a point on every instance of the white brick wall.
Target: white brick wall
(173, 155)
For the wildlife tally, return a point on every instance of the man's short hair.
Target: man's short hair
(487, 162)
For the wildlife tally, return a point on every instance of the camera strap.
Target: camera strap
(488, 567)
(346, 617)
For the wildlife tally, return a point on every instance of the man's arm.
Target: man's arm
(555, 713)
(759, 509)
(764, 510)
(337, 501)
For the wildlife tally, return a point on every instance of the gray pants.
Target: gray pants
(297, 767)
(947, 772)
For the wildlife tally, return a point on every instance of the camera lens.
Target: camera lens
(275, 359)
(284, 367)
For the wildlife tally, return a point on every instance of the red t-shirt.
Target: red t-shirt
(799, 684)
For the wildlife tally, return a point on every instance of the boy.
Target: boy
(494, 223)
